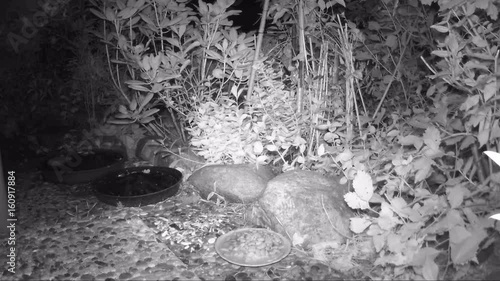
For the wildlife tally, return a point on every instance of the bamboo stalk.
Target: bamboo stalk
(257, 49)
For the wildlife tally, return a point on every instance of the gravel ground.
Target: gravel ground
(64, 233)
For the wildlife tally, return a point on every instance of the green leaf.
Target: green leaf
(214, 55)
(467, 141)
(166, 23)
(121, 4)
(391, 41)
(358, 225)
(363, 185)
(258, 148)
(432, 137)
(386, 220)
(130, 3)
(202, 8)
(430, 270)
(184, 65)
(155, 62)
(127, 13)
(122, 109)
(333, 2)
(430, 91)
(482, 56)
(182, 30)
(394, 244)
(393, 133)
(262, 159)
(146, 120)
(132, 22)
(455, 196)
(490, 89)
(424, 254)
(354, 202)
(98, 14)
(145, 63)
(157, 87)
(441, 53)
(110, 14)
(146, 18)
(163, 76)
(379, 241)
(477, 118)
(146, 100)
(140, 4)
(441, 28)
(321, 4)
(133, 104)
(456, 124)
(174, 42)
(464, 244)
(453, 217)
(193, 45)
(483, 137)
(321, 149)
(138, 87)
(471, 65)
(149, 112)
(479, 41)
(492, 11)
(468, 165)
(271, 147)
(416, 141)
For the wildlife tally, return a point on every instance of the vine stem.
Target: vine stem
(396, 70)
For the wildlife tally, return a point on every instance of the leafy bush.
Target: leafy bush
(179, 63)
(270, 132)
(422, 158)
(358, 104)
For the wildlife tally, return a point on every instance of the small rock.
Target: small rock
(125, 275)
(87, 277)
(165, 266)
(101, 263)
(188, 274)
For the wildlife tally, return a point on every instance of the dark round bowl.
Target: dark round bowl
(83, 167)
(138, 186)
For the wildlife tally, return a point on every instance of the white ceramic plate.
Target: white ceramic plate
(252, 247)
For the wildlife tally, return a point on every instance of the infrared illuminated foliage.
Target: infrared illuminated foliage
(399, 98)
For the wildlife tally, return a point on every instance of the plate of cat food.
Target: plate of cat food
(252, 247)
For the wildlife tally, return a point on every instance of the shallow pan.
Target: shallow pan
(138, 186)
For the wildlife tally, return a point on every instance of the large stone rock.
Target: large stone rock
(305, 204)
(242, 183)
